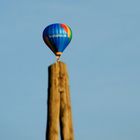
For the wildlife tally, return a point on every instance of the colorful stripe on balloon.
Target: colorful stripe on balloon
(67, 29)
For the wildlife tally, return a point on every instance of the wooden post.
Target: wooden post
(59, 106)
(53, 103)
(65, 105)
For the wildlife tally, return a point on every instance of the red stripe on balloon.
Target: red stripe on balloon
(64, 27)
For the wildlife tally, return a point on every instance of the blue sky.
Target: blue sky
(103, 60)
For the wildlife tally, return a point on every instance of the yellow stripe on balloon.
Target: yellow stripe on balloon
(69, 32)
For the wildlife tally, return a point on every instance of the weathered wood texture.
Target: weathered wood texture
(65, 105)
(53, 103)
(59, 106)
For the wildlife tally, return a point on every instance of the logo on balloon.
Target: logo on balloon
(57, 35)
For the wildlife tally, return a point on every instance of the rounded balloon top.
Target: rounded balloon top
(57, 37)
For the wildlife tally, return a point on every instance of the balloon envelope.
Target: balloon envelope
(57, 37)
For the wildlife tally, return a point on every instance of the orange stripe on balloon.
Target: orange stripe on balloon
(66, 28)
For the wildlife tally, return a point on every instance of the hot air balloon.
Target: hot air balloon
(57, 37)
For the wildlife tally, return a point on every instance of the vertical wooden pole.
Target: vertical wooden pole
(65, 105)
(53, 103)
(59, 106)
